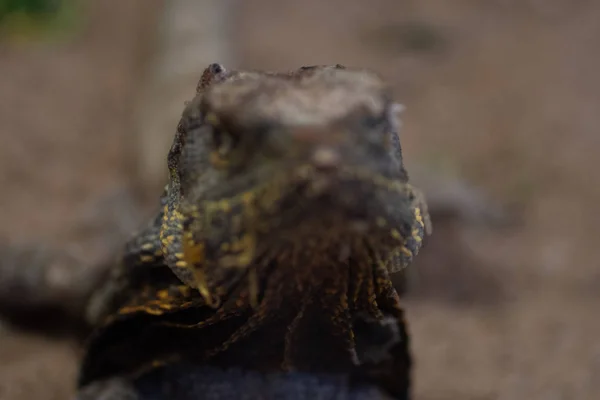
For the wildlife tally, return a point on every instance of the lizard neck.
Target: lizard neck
(350, 269)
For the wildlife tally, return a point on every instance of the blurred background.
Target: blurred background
(501, 132)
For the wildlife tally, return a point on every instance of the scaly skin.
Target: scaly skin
(287, 208)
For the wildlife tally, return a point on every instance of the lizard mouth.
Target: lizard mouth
(347, 200)
(311, 203)
(355, 197)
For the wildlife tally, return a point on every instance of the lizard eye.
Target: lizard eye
(374, 121)
(224, 141)
(375, 127)
(378, 130)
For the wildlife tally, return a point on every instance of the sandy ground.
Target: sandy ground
(505, 93)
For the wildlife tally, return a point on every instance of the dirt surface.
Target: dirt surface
(503, 92)
(65, 122)
(36, 368)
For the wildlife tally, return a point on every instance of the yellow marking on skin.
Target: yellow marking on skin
(162, 294)
(418, 216)
(147, 246)
(180, 256)
(156, 307)
(249, 243)
(343, 302)
(225, 206)
(133, 309)
(193, 253)
(181, 264)
(146, 258)
(194, 256)
(371, 296)
(395, 234)
(194, 212)
(247, 197)
(212, 119)
(229, 261)
(188, 236)
(406, 251)
(202, 284)
(184, 290)
(416, 236)
(247, 246)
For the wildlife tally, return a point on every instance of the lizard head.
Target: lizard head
(311, 155)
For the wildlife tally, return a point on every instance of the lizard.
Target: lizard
(287, 207)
